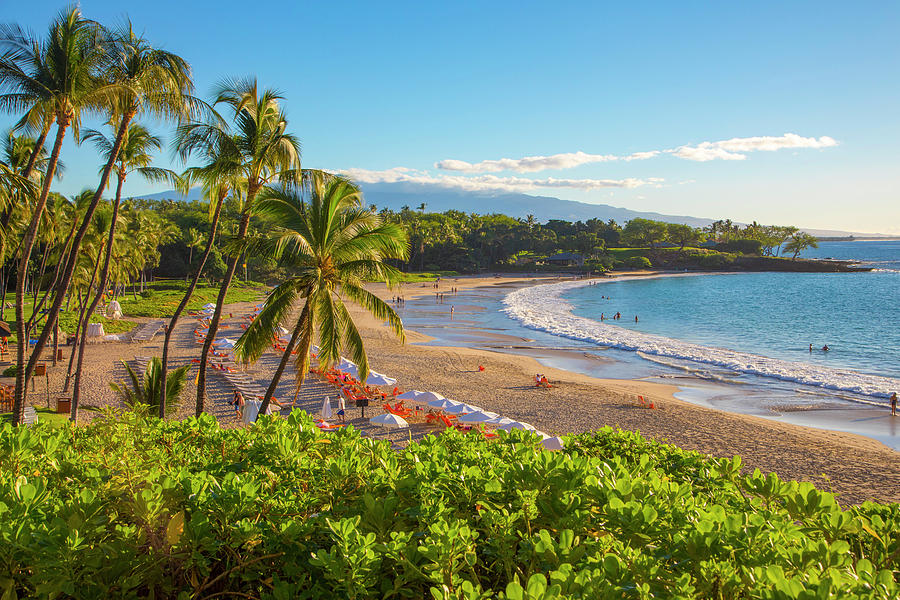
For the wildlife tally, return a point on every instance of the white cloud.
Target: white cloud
(736, 148)
(490, 183)
(733, 149)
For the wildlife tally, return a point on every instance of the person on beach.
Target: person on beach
(451, 313)
(342, 408)
(810, 348)
(635, 319)
(825, 348)
(894, 404)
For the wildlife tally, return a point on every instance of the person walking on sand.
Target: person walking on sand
(894, 404)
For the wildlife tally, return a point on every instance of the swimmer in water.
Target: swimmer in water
(825, 348)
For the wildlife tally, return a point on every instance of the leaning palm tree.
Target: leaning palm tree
(59, 74)
(134, 156)
(333, 245)
(137, 79)
(216, 187)
(258, 150)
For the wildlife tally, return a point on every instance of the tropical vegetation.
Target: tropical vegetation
(131, 506)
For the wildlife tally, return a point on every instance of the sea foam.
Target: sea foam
(542, 307)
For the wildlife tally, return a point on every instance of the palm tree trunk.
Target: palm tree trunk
(270, 391)
(83, 318)
(101, 288)
(81, 305)
(217, 313)
(164, 367)
(63, 286)
(27, 245)
(38, 146)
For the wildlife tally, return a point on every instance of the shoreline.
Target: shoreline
(858, 467)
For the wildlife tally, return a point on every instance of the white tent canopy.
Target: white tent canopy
(553, 443)
(517, 425)
(462, 409)
(389, 421)
(480, 416)
(429, 396)
(442, 403)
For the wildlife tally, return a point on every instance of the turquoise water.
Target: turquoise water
(775, 315)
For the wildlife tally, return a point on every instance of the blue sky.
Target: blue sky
(393, 91)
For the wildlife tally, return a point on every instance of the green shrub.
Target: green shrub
(137, 507)
(638, 262)
(9, 371)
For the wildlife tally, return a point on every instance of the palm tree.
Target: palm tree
(60, 75)
(333, 245)
(146, 390)
(138, 79)
(216, 188)
(135, 155)
(192, 239)
(258, 150)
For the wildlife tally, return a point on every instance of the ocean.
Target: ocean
(751, 323)
(735, 342)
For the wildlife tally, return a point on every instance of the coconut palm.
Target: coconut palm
(134, 156)
(144, 389)
(59, 74)
(137, 79)
(332, 245)
(258, 150)
(216, 187)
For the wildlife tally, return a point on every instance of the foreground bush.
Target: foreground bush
(140, 507)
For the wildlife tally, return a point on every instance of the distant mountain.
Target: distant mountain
(397, 195)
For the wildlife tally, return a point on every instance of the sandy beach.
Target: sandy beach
(855, 467)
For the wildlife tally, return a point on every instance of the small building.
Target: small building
(566, 259)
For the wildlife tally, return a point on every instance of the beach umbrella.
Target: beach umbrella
(209, 306)
(442, 403)
(345, 365)
(326, 408)
(480, 416)
(517, 425)
(410, 395)
(500, 421)
(461, 409)
(225, 342)
(380, 379)
(389, 421)
(429, 396)
(282, 331)
(553, 443)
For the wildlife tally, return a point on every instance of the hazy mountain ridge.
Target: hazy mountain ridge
(397, 195)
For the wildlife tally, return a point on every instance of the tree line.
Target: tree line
(237, 147)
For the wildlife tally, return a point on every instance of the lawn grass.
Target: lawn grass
(158, 300)
(45, 415)
(414, 277)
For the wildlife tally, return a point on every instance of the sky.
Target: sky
(777, 112)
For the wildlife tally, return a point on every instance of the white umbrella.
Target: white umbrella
(326, 408)
(478, 417)
(553, 443)
(443, 403)
(389, 421)
(500, 421)
(410, 395)
(517, 425)
(461, 409)
(314, 348)
(209, 306)
(380, 379)
(225, 342)
(282, 331)
(429, 396)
